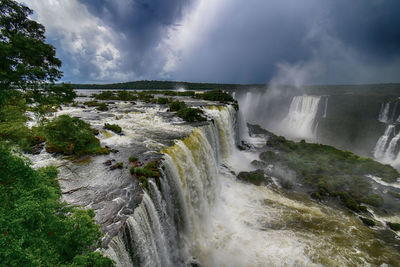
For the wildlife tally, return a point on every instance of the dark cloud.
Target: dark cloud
(353, 41)
(232, 41)
(141, 24)
(372, 27)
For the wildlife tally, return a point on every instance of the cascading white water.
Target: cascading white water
(301, 119)
(387, 147)
(326, 107)
(200, 212)
(384, 113)
(166, 228)
(381, 145)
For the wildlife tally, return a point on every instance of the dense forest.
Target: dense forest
(360, 89)
(167, 85)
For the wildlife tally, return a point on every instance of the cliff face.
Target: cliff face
(351, 122)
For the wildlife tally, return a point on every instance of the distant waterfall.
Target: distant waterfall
(166, 228)
(384, 114)
(387, 147)
(300, 121)
(381, 146)
(326, 107)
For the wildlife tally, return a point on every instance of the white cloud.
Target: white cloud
(191, 32)
(82, 37)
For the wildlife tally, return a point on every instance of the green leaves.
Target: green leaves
(25, 55)
(70, 136)
(35, 228)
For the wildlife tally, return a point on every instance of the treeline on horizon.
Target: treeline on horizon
(167, 85)
(365, 89)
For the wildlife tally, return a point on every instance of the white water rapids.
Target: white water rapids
(200, 213)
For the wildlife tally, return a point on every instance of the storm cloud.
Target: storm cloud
(231, 41)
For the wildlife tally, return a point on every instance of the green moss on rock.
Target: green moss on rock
(254, 177)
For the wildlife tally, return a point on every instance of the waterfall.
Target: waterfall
(301, 119)
(166, 229)
(326, 107)
(387, 148)
(381, 145)
(394, 111)
(384, 113)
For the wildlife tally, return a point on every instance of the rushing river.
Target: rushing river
(201, 214)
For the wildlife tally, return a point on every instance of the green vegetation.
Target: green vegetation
(150, 170)
(36, 229)
(12, 122)
(373, 200)
(167, 85)
(394, 226)
(92, 103)
(113, 127)
(329, 171)
(145, 96)
(126, 96)
(367, 222)
(216, 95)
(133, 159)
(102, 107)
(71, 136)
(99, 105)
(177, 105)
(162, 100)
(254, 177)
(219, 95)
(191, 114)
(186, 113)
(119, 95)
(118, 165)
(27, 62)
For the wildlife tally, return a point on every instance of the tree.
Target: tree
(26, 60)
(36, 229)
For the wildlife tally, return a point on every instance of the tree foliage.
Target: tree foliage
(71, 136)
(26, 58)
(35, 228)
(27, 61)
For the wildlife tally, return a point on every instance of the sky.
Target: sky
(224, 41)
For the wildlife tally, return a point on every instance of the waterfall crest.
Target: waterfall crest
(167, 227)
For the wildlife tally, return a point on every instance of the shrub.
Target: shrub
(367, 222)
(133, 159)
(113, 127)
(102, 107)
(374, 200)
(177, 105)
(394, 226)
(162, 100)
(92, 103)
(35, 226)
(126, 95)
(145, 96)
(144, 182)
(191, 114)
(186, 93)
(217, 95)
(254, 177)
(149, 170)
(106, 95)
(71, 136)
